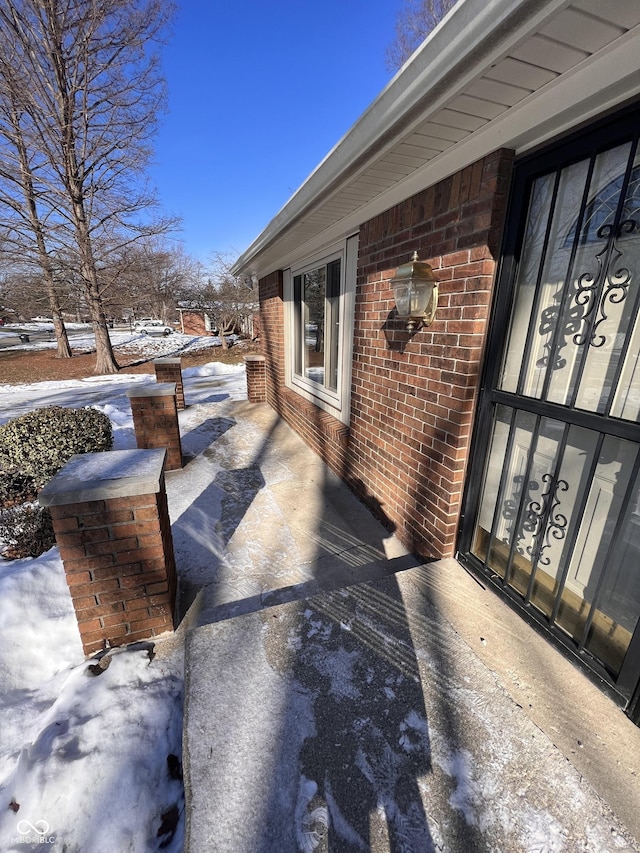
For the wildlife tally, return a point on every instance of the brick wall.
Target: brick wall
(256, 369)
(122, 586)
(155, 420)
(112, 528)
(170, 370)
(193, 323)
(413, 394)
(272, 334)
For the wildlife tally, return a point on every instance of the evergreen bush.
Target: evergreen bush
(16, 487)
(26, 531)
(39, 443)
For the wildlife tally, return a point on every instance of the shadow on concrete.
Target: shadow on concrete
(198, 439)
(317, 731)
(209, 523)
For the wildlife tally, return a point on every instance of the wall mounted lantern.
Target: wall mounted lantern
(415, 290)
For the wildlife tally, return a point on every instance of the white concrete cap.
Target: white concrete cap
(101, 476)
(160, 389)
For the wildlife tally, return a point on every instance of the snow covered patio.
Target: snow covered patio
(341, 696)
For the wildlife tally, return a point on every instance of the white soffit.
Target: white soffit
(495, 73)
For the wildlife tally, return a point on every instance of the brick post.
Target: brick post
(256, 367)
(112, 528)
(155, 420)
(170, 370)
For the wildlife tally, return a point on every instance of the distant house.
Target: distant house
(194, 321)
(201, 321)
(506, 433)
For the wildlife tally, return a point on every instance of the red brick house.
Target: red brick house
(194, 321)
(506, 431)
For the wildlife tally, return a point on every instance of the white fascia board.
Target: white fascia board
(611, 79)
(471, 36)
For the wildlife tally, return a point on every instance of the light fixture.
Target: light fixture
(415, 290)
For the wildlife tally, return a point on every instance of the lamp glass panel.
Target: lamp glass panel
(421, 292)
(402, 294)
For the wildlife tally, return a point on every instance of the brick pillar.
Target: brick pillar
(155, 420)
(256, 366)
(170, 370)
(112, 528)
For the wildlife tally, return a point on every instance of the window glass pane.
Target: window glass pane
(314, 291)
(619, 604)
(582, 278)
(297, 325)
(317, 296)
(606, 266)
(332, 326)
(562, 500)
(528, 268)
(490, 496)
(626, 400)
(626, 391)
(543, 352)
(604, 502)
(535, 449)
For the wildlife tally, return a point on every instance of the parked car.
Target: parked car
(153, 327)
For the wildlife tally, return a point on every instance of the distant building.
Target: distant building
(195, 321)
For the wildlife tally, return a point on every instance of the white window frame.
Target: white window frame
(336, 402)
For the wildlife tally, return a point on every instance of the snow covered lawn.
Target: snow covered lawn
(90, 751)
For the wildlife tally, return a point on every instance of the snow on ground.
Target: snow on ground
(90, 756)
(129, 341)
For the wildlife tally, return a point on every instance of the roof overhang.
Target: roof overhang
(493, 74)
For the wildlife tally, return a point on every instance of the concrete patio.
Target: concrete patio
(341, 695)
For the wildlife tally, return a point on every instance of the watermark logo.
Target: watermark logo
(33, 833)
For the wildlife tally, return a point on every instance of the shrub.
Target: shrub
(39, 443)
(26, 530)
(16, 488)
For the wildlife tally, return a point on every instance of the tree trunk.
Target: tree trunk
(63, 348)
(105, 358)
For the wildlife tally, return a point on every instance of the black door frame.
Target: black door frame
(572, 148)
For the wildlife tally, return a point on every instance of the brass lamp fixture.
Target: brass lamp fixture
(415, 290)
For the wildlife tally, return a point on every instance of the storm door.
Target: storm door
(553, 500)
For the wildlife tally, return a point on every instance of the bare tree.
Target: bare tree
(145, 278)
(226, 298)
(93, 92)
(19, 197)
(415, 20)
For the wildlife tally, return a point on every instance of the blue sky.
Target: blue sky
(259, 92)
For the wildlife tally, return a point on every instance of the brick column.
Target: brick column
(112, 528)
(256, 367)
(155, 420)
(170, 370)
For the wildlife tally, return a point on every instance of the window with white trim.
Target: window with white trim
(320, 295)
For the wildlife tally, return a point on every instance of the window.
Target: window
(320, 300)
(316, 295)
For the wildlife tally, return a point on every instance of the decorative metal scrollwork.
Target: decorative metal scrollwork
(541, 518)
(556, 527)
(614, 291)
